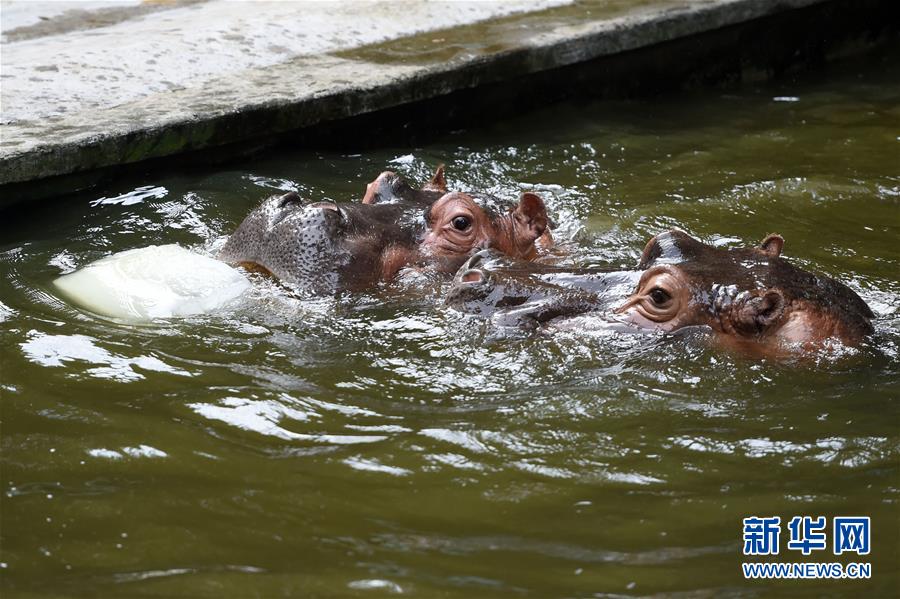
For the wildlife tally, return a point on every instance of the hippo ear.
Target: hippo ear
(758, 312)
(373, 189)
(651, 252)
(772, 245)
(530, 216)
(438, 182)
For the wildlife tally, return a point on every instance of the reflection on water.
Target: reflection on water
(142, 451)
(56, 350)
(382, 443)
(134, 197)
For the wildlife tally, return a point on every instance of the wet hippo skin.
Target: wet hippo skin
(744, 295)
(323, 247)
(391, 188)
(523, 294)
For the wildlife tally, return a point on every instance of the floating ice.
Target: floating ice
(153, 282)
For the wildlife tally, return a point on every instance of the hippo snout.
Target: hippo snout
(472, 276)
(472, 281)
(471, 272)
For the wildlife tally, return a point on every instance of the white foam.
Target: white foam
(153, 282)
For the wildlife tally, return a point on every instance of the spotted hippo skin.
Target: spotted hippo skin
(325, 247)
(315, 247)
(745, 295)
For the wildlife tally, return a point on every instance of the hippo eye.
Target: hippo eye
(461, 223)
(659, 296)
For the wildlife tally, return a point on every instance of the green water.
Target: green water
(382, 443)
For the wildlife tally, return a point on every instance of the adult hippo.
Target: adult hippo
(743, 295)
(324, 247)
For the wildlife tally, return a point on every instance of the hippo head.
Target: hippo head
(460, 222)
(324, 247)
(514, 293)
(742, 294)
(320, 247)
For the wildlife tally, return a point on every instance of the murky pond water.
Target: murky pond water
(382, 443)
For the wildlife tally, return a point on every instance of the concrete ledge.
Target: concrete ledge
(256, 104)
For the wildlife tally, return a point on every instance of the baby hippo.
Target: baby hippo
(742, 294)
(747, 295)
(325, 247)
(391, 188)
(513, 293)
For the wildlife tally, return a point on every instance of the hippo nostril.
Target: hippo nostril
(475, 261)
(292, 197)
(326, 206)
(472, 276)
(330, 210)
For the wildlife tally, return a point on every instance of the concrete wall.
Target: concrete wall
(333, 89)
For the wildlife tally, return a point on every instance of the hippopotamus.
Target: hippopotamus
(741, 295)
(391, 188)
(514, 293)
(324, 247)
